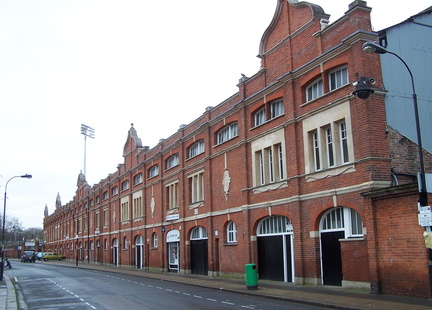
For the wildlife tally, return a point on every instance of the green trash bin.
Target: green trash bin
(251, 276)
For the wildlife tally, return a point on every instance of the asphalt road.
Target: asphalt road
(46, 286)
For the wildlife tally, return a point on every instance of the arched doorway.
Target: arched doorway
(336, 224)
(115, 252)
(98, 251)
(173, 244)
(199, 251)
(139, 252)
(80, 251)
(91, 252)
(275, 250)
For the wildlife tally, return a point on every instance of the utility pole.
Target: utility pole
(87, 131)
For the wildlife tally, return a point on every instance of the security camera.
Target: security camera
(363, 94)
(363, 90)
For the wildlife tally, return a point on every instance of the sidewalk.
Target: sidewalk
(331, 297)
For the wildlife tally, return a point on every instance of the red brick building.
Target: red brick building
(292, 173)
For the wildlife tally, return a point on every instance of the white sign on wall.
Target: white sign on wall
(173, 236)
(425, 216)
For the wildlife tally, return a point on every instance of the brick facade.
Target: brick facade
(261, 173)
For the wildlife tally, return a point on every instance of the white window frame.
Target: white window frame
(137, 205)
(153, 171)
(114, 191)
(314, 90)
(173, 197)
(344, 142)
(274, 225)
(138, 179)
(269, 160)
(329, 145)
(155, 240)
(276, 108)
(343, 219)
(173, 161)
(124, 211)
(231, 232)
(228, 132)
(196, 148)
(125, 185)
(199, 233)
(260, 117)
(196, 187)
(319, 142)
(338, 78)
(316, 150)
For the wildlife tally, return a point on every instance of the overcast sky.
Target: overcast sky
(110, 63)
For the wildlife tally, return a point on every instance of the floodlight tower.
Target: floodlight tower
(87, 131)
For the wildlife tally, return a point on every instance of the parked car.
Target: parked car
(52, 256)
(28, 256)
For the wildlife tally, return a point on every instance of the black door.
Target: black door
(270, 258)
(138, 256)
(199, 257)
(331, 258)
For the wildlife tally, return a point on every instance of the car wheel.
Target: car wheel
(45, 259)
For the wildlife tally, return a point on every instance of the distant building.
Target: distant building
(411, 41)
(292, 173)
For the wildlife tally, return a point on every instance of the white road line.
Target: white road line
(227, 303)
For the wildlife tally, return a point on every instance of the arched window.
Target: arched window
(199, 233)
(276, 224)
(172, 161)
(155, 240)
(125, 185)
(343, 219)
(138, 179)
(231, 232)
(196, 149)
(226, 133)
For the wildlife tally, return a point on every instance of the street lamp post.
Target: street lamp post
(373, 47)
(26, 176)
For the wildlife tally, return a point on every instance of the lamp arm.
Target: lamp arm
(423, 191)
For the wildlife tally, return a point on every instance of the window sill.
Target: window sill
(352, 239)
(270, 187)
(196, 205)
(230, 244)
(216, 145)
(267, 121)
(330, 172)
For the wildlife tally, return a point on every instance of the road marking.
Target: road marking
(227, 303)
(70, 292)
(185, 294)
